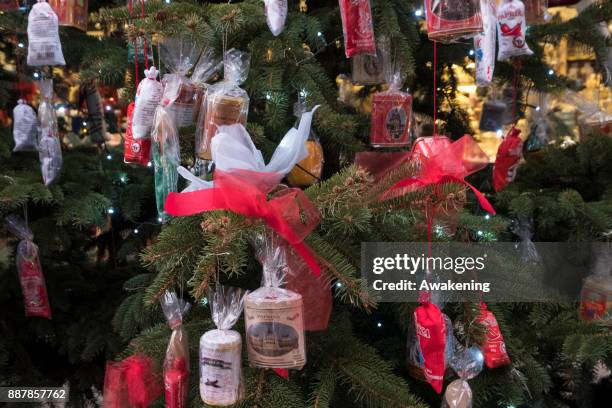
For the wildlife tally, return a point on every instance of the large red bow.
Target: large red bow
(444, 163)
(289, 212)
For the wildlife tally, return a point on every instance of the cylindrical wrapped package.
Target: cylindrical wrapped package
(274, 317)
(49, 146)
(176, 362)
(276, 14)
(166, 154)
(391, 112)
(448, 20)
(44, 47)
(221, 349)
(226, 102)
(484, 43)
(148, 96)
(511, 30)
(357, 27)
(25, 127)
(96, 126)
(137, 151)
(32, 281)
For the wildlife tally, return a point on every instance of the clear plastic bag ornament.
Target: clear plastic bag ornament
(176, 361)
(484, 43)
(44, 46)
(165, 151)
(276, 14)
(226, 102)
(458, 394)
(148, 96)
(523, 228)
(25, 127)
(221, 349)
(49, 145)
(511, 30)
(449, 20)
(308, 170)
(467, 362)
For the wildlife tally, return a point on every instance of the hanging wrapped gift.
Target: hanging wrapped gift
(44, 46)
(276, 14)
(71, 13)
(509, 154)
(176, 361)
(369, 69)
(536, 11)
(137, 151)
(449, 20)
(494, 347)
(511, 30)
(25, 127)
(484, 43)
(148, 95)
(49, 145)
(357, 27)
(9, 5)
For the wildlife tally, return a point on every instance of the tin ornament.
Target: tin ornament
(449, 20)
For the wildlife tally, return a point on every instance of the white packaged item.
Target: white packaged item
(44, 47)
(276, 14)
(24, 127)
(49, 146)
(511, 30)
(484, 43)
(148, 96)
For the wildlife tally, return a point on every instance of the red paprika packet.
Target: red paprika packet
(136, 151)
(494, 348)
(431, 335)
(131, 383)
(507, 161)
(176, 362)
(357, 27)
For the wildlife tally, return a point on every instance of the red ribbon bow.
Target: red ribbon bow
(446, 163)
(289, 212)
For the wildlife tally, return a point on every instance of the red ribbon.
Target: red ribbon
(244, 192)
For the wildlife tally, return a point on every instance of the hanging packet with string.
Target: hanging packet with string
(357, 27)
(49, 145)
(166, 154)
(467, 364)
(484, 43)
(32, 281)
(176, 362)
(137, 151)
(511, 30)
(44, 47)
(25, 127)
(148, 96)
(276, 14)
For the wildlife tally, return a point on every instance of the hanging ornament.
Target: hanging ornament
(596, 293)
(32, 280)
(511, 98)
(511, 29)
(148, 95)
(44, 47)
(133, 382)
(276, 14)
(449, 20)
(484, 43)
(25, 127)
(369, 69)
(137, 151)
(176, 361)
(357, 27)
(96, 125)
(467, 362)
(166, 154)
(536, 11)
(508, 158)
(308, 170)
(494, 347)
(431, 335)
(49, 145)
(71, 13)
(492, 116)
(458, 394)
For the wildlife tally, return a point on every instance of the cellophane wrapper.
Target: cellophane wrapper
(25, 127)
(44, 46)
(176, 361)
(148, 96)
(511, 30)
(226, 102)
(449, 20)
(276, 14)
(49, 146)
(96, 125)
(221, 349)
(391, 112)
(31, 278)
(274, 316)
(484, 43)
(536, 11)
(137, 151)
(166, 156)
(357, 27)
(458, 394)
(523, 228)
(131, 383)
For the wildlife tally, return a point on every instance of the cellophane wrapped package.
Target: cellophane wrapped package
(511, 30)
(276, 14)
(25, 127)
(274, 316)
(166, 153)
(137, 151)
(391, 112)
(33, 287)
(357, 27)
(221, 349)
(226, 102)
(449, 20)
(44, 47)
(176, 362)
(49, 146)
(467, 363)
(484, 43)
(148, 96)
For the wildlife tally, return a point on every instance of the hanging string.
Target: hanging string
(516, 76)
(18, 73)
(146, 45)
(435, 87)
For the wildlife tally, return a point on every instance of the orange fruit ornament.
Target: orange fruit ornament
(308, 171)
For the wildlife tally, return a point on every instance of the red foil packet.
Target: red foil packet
(431, 334)
(357, 27)
(176, 384)
(391, 114)
(507, 160)
(137, 151)
(494, 348)
(32, 281)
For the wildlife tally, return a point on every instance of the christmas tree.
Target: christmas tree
(115, 239)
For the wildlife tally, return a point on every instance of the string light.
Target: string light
(537, 108)
(418, 13)
(268, 95)
(111, 210)
(487, 216)
(149, 164)
(108, 108)
(480, 233)
(21, 45)
(123, 179)
(320, 34)
(160, 219)
(109, 157)
(338, 284)
(84, 124)
(551, 72)
(135, 230)
(36, 75)
(500, 132)
(379, 324)
(471, 53)
(61, 110)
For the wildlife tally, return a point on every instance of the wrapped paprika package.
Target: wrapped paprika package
(31, 278)
(148, 96)
(276, 14)
(274, 317)
(484, 43)
(44, 47)
(494, 347)
(25, 127)
(176, 362)
(391, 112)
(166, 156)
(137, 151)
(508, 159)
(431, 335)
(226, 102)
(49, 146)
(221, 349)
(449, 20)
(511, 29)
(357, 27)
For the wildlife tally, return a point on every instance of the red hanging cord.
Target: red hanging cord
(18, 73)
(435, 87)
(146, 45)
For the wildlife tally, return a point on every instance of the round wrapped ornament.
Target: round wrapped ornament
(308, 171)
(458, 394)
(467, 362)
